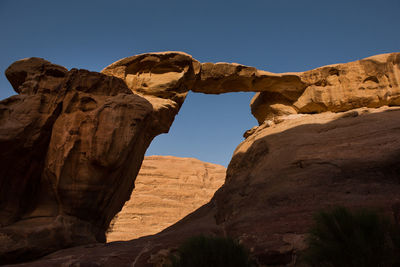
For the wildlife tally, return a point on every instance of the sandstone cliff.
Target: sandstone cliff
(327, 136)
(283, 173)
(72, 143)
(167, 188)
(276, 180)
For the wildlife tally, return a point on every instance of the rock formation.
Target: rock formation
(370, 82)
(326, 137)
(282, 174)
(167, 189)
(166, 75)
(72, 143)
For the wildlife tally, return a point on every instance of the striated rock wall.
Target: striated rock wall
(167, 189)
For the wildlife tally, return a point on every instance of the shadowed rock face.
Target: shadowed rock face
(231, 77)
(277, 179)
(71, 155)
(72, 143)
(283, 173)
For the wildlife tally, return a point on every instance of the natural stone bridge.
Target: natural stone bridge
(72, 142)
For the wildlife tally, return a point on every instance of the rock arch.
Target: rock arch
(71, 141)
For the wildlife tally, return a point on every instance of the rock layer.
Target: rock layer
(167, 189)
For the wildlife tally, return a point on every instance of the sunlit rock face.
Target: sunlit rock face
(371, 82)
(326, 137)
(166, 75)
(167, 189)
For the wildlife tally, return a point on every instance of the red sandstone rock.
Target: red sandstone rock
(277, 179)
(289, 167)
(71, 146)
(370, 82)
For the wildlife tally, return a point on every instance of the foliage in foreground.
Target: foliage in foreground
(203, 251)
(349, 239)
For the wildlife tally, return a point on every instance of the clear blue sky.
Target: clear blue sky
(278, 36)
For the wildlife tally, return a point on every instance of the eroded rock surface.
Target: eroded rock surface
(307, 154)
(370, 82)
(167, 189)
(72, 143)
(217, 78)
(277, 179)
(283, 173)
(167, 75)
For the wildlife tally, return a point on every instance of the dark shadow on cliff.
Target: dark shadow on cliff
(273, 188)
(45, 207)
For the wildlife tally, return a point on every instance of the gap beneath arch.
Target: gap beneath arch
(208, 127)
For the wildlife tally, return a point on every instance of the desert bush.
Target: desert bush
(201, 251)
(352, 239)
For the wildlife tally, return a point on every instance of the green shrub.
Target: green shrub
(341, 238)
(201, 251)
